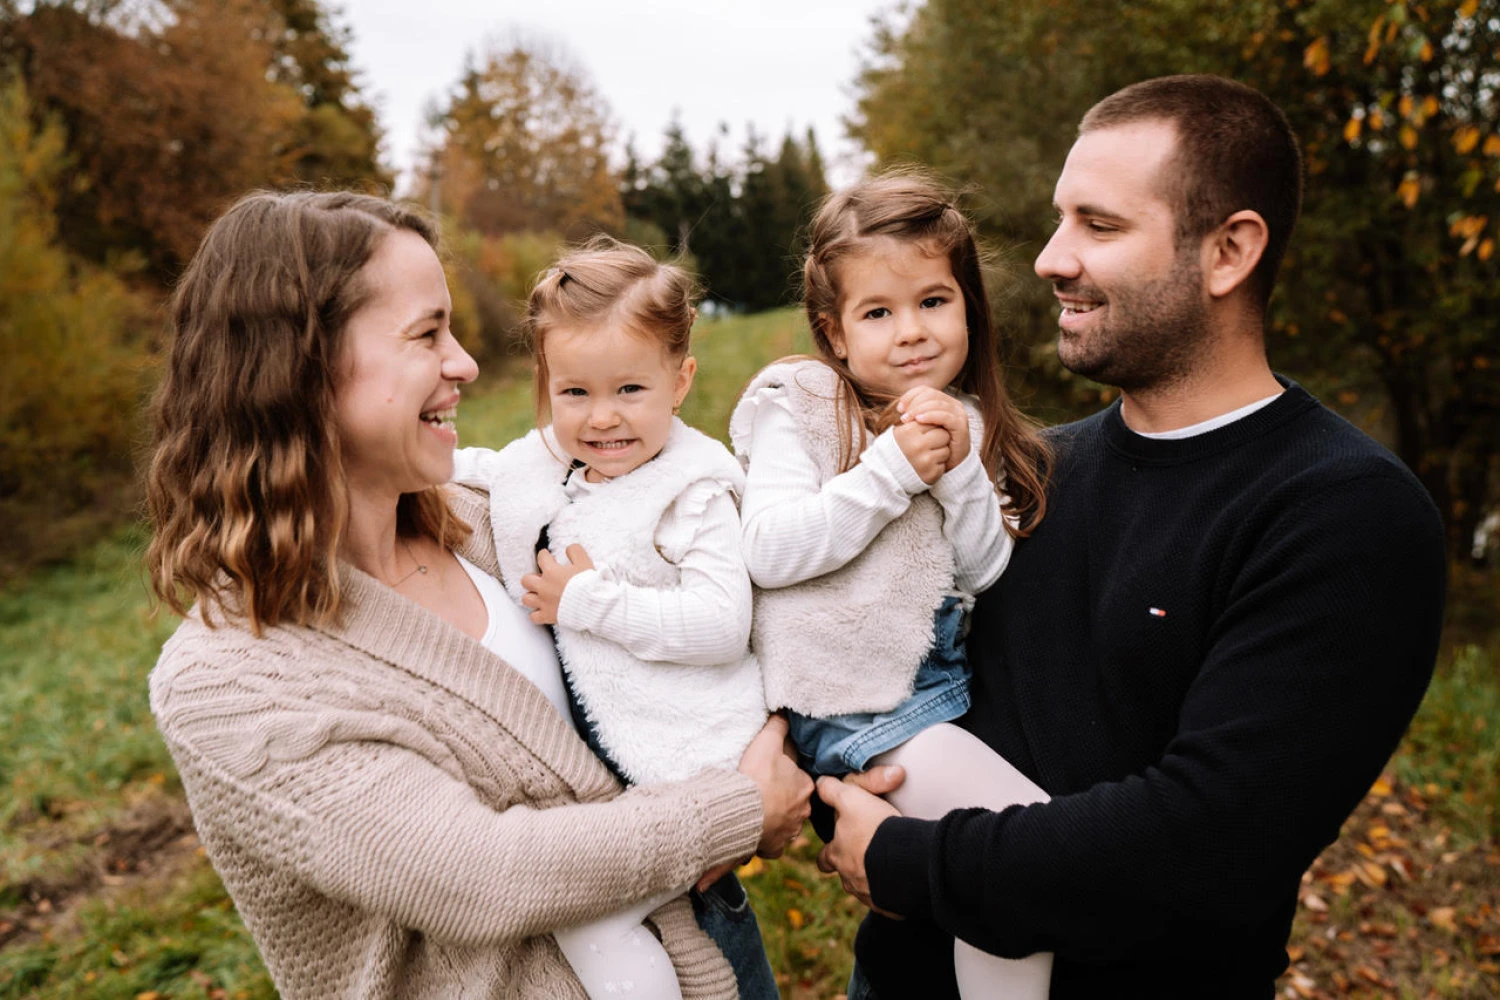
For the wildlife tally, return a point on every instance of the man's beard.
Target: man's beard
(1151, 337)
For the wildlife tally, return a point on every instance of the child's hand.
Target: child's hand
(926, 447)
(926, 405)
(544, 590)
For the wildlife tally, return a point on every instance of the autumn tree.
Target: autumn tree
(525, 145)
(72, 337)
(172, 108)
(1387, 302)
(741, 219)
(335, 142)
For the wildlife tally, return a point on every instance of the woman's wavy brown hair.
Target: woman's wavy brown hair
(910, 205)
(246, 488)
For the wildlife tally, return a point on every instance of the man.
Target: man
(1212, 643)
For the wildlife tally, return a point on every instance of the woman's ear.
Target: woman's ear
(685, 374)
(1234, 251)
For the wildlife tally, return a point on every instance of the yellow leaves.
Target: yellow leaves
(1492, 146)
(1486, 251)
(1470, 229)
(1374, 46)
(1444, 918)
(1315, 56)
(1376, 120)
(796, 918)
(1352, 129)
(1408, 137)
(1465, 139)
(1371, 874)
(1382, 787)
(751, 868)
(1405, 106)
(1426, 50)
(1410, 189)
(1468, 8)
(1429, 106)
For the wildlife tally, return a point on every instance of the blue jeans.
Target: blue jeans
(844, 744)
(724, 913)
(859, 986)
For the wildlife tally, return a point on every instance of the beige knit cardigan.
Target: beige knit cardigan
(398, 813)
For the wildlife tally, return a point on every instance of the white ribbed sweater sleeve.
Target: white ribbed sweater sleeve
(796, 528)
(974, 525)
(705, 620)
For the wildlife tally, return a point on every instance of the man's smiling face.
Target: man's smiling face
(1134, 306)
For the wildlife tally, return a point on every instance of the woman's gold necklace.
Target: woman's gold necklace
(421, 568)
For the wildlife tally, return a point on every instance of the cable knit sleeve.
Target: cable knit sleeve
(705, 619)
(372, 807)
(796, 528)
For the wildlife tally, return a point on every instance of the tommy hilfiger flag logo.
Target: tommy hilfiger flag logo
(1157, 612)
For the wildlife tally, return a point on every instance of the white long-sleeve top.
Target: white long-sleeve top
(705, 620)
(796, 528)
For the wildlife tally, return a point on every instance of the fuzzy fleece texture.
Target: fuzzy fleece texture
(850, 640)
(657, 721)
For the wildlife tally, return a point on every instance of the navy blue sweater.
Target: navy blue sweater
(1205, 654)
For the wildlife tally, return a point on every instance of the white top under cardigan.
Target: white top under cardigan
(511, 635)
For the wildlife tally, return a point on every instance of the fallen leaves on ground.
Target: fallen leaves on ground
(1398, 907)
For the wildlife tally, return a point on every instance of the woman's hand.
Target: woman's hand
(935, 408)
(544, 590)
(785, 790)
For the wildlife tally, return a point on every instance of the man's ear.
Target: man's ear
(1233, 251)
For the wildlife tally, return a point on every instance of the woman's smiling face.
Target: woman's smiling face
(401, 369)
(612, 394)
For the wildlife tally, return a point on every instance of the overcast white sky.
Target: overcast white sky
(777, 63)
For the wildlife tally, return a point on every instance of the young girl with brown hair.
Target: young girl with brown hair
(887, 480)
(649, 599)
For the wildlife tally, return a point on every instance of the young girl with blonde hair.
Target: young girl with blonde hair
(887, 480)
(617, 524)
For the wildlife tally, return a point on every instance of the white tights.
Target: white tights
(617, 959)
(949, 768)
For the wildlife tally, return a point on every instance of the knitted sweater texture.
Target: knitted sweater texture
(399, 814)
(1205, 654)
(850, 640)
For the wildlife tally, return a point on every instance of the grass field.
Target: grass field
(104, 892)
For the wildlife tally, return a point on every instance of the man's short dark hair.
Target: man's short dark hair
(1235, 151)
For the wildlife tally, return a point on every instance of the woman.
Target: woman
(396, 809)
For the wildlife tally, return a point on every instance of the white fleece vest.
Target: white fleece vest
(658, 721)
(850, 640)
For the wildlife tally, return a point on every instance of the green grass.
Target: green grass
(81, 759)
(1452, 750)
